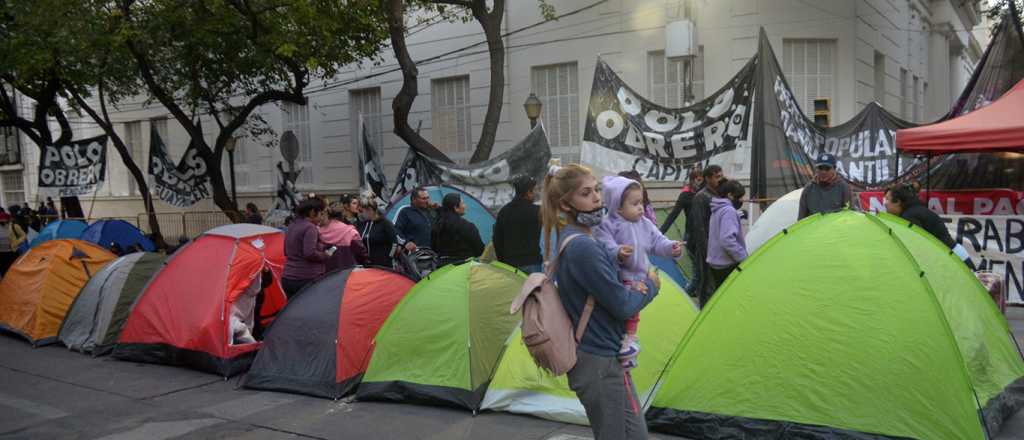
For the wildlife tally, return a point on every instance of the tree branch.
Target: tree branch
(491, 24)
(125, 152)
(402, 104)
(167, 100)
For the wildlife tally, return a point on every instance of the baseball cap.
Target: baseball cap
(825, 159)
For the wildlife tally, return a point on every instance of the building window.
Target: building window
(10, 149)
(453, 128)
(366, 103)
(917, 99)
(557, 86)
(133, 137)
(241, 164)
(295, 117)
(906, 95)
(14, 187)
(810, 67)
(924, 98)
(669, 77)
(880, 78)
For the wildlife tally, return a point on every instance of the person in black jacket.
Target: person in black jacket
(697, 221)
(517, 229)
(685, 199)
(903, 201)
(453, 237)
(378, 234)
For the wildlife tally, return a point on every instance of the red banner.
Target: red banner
(987, 202)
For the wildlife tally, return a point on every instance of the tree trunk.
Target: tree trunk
(402, 104)
(491, 22)
(126, 158)
(221, 198)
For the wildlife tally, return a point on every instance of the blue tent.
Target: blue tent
(55, 230)
(476, 212)
(126, 235)
(669, 266)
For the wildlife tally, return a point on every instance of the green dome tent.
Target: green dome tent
(846, 324)
(519, 386)
(441, 344)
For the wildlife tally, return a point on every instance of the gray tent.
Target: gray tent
(94, 321)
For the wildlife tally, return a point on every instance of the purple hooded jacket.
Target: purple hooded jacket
(615, 231)
(726, 246)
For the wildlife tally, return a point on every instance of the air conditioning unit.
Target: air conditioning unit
(680, 39)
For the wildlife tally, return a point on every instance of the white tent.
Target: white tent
(777, 217)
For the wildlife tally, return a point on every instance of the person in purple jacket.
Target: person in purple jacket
(726, 246)
(629, 235)
(303, 250)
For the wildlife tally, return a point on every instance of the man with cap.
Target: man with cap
(827, 192)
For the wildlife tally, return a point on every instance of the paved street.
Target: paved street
(51, 393)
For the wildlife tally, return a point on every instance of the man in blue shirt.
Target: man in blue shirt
(415, 221)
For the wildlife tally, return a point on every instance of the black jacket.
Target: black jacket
(517, 234)
(378, 237)
(920, 215)
(682, 206)
(697, 221)
(455, 238)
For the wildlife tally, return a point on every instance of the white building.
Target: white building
(913, 56)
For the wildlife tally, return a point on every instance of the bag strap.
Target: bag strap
(588, 309)
(553, 264)
(584, 318)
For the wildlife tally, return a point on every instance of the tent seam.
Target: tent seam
(933, 299)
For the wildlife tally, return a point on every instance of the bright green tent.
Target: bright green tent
(845, 324)
(519, 386)
(441, 344)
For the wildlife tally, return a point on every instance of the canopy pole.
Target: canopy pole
(928, 178)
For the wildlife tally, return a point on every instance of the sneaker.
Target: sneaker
(629, 364)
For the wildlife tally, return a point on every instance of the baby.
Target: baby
(630, 236)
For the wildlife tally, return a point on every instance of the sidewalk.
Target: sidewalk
(52, 393)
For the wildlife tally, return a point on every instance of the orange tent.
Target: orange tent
(39, 288)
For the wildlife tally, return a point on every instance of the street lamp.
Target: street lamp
(533, 107)
(230, 147)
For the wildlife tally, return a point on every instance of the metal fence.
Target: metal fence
(178, 224)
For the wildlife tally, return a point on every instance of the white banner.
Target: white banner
(994, 243)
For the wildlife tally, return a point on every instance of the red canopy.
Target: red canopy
(998, 126)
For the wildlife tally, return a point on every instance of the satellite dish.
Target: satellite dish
(289, 146)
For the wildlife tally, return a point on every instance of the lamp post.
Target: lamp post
(533, 107)
(230, 147)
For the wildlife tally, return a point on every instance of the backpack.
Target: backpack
(546, 328)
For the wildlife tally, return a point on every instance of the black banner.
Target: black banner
(1000, 68)
(180, 185)
(489, 181)
(73, 169)
(864, 146)
(626, 131)
(371, 174)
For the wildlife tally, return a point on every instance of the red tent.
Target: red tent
(998, 126)
(182, 316)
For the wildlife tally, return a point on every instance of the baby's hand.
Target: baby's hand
(677, 249)
(625, 252)
(641, 287)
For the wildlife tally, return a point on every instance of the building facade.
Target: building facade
(912, 56)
